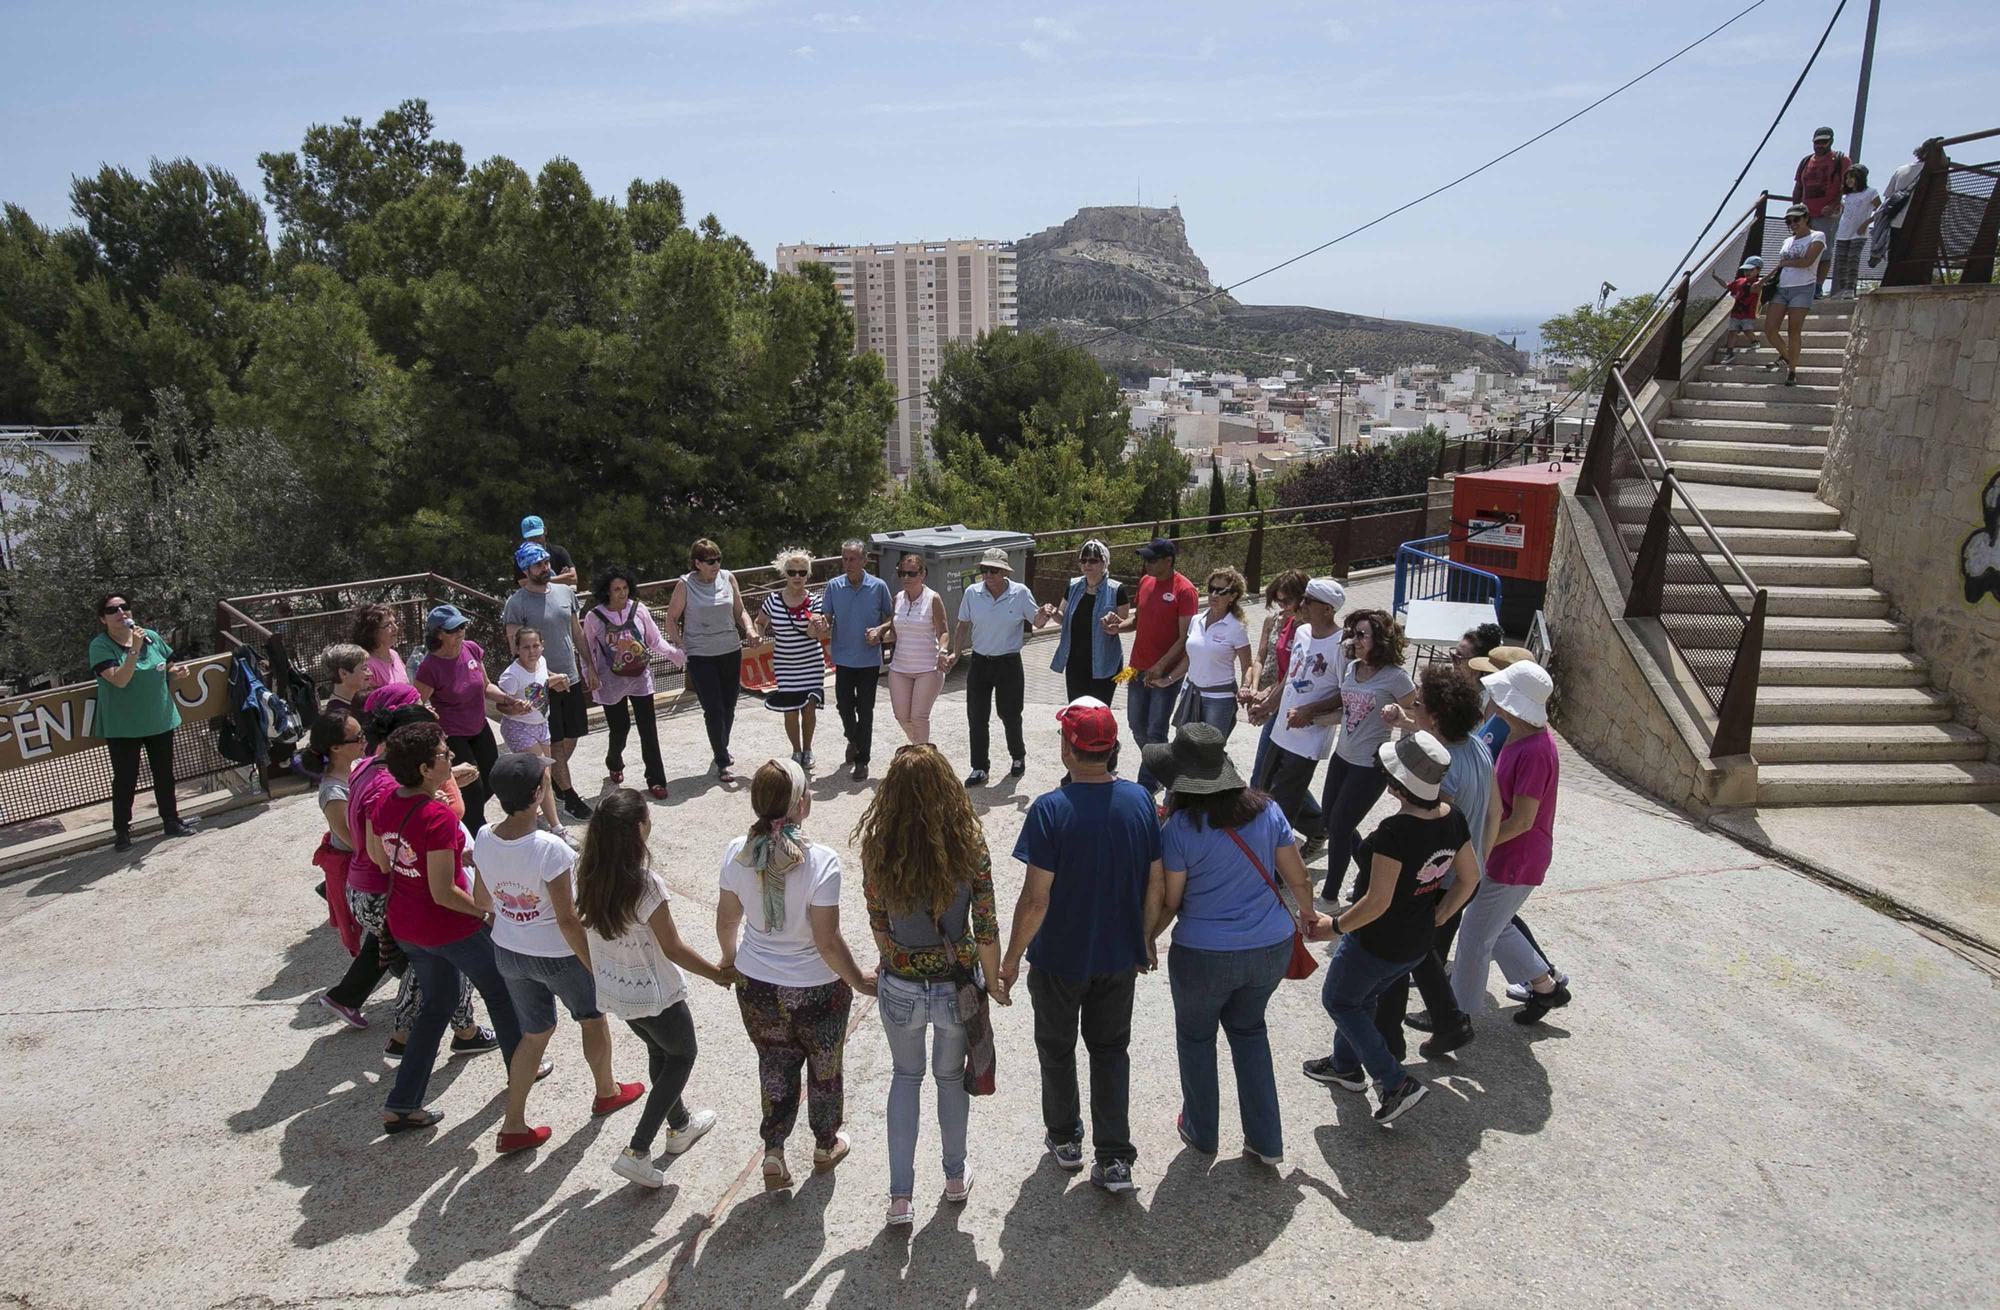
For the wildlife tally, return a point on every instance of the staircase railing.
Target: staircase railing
(1669, 575)
(1949, 231)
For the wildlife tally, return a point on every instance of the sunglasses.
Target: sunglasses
(708, 559)
(991, 572)
(120, 608)
(1222, 591)
(909, 573)
(797, 573)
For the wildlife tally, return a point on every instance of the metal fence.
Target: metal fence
(1948, 232)
(312, 618)
(1426, 571)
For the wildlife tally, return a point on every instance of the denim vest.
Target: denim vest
(1107, 654)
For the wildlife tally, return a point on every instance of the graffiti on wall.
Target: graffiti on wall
(62, 721)
(1979, 558)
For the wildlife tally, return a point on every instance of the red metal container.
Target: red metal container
(1504, 521)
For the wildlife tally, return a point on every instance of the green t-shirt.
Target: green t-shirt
(142, 707)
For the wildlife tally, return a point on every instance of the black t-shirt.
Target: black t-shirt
(1424, 849)
(559, 561)
(1083, 616)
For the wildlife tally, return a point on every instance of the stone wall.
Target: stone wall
(1912, 466)
(1610, 701)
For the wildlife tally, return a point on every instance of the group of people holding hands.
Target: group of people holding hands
(421, 884)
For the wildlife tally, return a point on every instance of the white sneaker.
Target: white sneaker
(679, 1140)
(636, 1168)
(1325, 906)
(1518, 992)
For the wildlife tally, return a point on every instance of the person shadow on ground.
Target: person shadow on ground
(1394, 1180)
(767, 1245)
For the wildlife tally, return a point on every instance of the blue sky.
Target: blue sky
(1273, 125)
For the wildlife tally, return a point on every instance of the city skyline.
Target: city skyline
(1272, 133)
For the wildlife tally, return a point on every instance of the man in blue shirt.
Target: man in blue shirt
(856, 605)
(1092, 847)
(995, 615)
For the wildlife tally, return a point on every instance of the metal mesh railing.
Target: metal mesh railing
(1948, 231)
(312, 618)
(66, 783)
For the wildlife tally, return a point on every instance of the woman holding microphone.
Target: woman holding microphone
(135, 711)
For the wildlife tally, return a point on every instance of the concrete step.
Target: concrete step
(1769, 453)
(1804, 602)
(1824, 377)
(1851, 705)
(1819, 339)
(1779, 570)
(1854, 743)
(1748, 475)
(1764, 391)
(1710, 429)
(1760, 507)
(1796, 634)
(1765, 541)
(1835, 669)
(1882, 784)
(1809, 415)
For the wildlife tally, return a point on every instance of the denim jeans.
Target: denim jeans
(1217, 712)
(438, 970)
(1486, 933)
(1355, 981)
(1308, 820)
(1101, 1008)
(1230, 988)
(908, 1008)
(1149, 712)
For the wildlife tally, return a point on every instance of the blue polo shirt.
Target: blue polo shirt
(1099, 839)
(996, 620)
(853, 609)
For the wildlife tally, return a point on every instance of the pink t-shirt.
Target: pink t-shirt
(458, 689)
(1528, 766)
(411, 828)
(388, 671)
(370, 781)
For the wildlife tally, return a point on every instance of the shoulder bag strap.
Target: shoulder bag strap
(1257, 864)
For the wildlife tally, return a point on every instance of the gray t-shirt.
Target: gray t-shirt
(547, 612)
(1362, 730)
(333, 789)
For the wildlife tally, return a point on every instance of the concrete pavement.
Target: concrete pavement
(1765, 1094)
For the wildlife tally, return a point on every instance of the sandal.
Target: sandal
(410, 1120)
(775, 1172)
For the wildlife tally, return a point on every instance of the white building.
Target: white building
(909, 301)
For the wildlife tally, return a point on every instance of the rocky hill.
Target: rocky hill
(1111, 266)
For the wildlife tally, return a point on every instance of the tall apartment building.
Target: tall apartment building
(908, 301)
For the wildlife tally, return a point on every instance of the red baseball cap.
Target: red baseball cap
(1088, 724)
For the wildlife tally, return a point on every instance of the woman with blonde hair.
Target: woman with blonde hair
(929, 884)
(778, 922)
(922, 640)
(792, 618)
(1218, 644)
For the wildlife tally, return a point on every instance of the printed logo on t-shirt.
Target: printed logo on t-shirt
(1430, 877)
(1313, 668)
(537, 696)
(402, 856)
(521, 906)
(1356, 706)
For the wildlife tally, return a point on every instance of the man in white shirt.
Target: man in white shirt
(994, 617)
(1307, 702)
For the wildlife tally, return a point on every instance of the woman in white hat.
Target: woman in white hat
(1422, 868)
(1524, 782)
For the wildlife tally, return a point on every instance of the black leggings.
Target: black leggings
(669, 1038)
(1078, 682)
(717, 681)
(618, 716)
(481, 751)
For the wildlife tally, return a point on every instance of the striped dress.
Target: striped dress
(798, 658)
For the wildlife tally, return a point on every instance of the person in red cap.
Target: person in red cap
(1092, 847)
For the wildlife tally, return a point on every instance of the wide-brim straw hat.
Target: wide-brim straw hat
(1499, 658)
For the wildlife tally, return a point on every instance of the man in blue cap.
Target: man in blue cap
(561, 567)
(549, 607)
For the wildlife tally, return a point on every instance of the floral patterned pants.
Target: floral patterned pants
(794, 1028)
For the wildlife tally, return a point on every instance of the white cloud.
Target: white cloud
(827, 22)
(804, 52)
(1046, 36)
(554, 16)
(1337, 31)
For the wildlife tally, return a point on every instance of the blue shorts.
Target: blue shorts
(1735, 325)
(535, 981)
(1798, 297)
